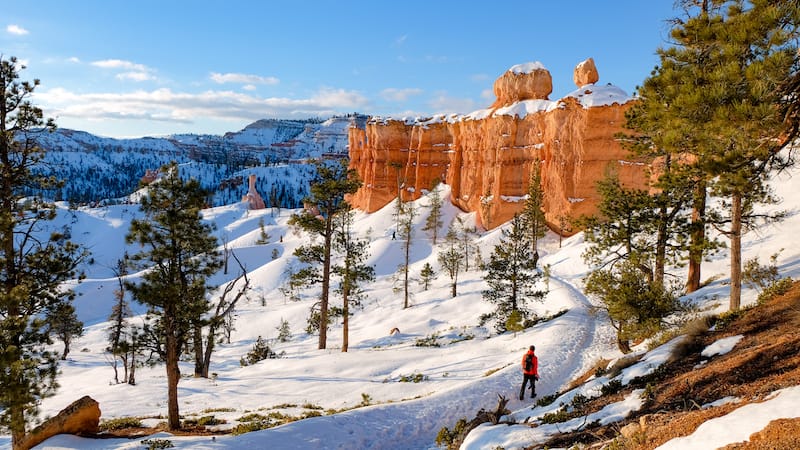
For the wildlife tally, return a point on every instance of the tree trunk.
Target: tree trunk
(206, 364)
(624, 345)
(345, 320)
(173, 376)
(697, 237)
(17, 433)
(661, 246)
(131, 375)
(326, 281)
(199, 357)
(453, 290)
(736, 251)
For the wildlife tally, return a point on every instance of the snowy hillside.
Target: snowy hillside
(389, 391)
(99, 168)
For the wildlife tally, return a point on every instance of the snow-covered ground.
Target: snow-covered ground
(467, 372)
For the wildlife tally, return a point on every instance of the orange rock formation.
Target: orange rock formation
(486, 156)
(253, 198)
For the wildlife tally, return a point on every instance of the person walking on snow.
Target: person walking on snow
(530, 372)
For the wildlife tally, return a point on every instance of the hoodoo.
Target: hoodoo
(486, 156)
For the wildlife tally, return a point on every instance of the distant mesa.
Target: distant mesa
(486, 156)
(253, 198)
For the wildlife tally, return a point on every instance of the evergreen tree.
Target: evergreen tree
(118, 343)
(511, 275)
(35, 259)
(179, 250)
(434, 220)
(465, 235)
(636, 307)
(426, 275)
(64, 323)
(406, 233)
(352, 271)
(328, 189)
(722, 97)
(533, 213)
(452, 258)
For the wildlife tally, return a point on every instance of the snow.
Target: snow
(526, 67)
(467, 372)
(593, 95)
(722, 346)
(739, 424)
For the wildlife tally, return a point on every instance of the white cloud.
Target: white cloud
(129, 70)
(165, 105)
(401, 40)
(135, 76)
(488, 94)
(74, 59)
(16, 29)
(399, 95)
(242, 78)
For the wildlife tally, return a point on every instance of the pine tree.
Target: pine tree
(406, 234)
(118, 344)
(636, 306)
(352, 271)
(426, 275)
(328, 189)
(180, 251)
(35, 259)
(452, 258)
(721, 95)
(511, 275)
(533, 213)
(434, 220)
(64, 323)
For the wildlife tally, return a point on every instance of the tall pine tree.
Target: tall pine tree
(35, 259)
(326, 199)
(511, 274)
(179, 251)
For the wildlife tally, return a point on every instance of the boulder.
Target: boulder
(529, 81)
(585, 73)
(82, 417)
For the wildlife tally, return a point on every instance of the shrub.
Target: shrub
(556, 417)
(414, 378)
(120, 423)
(547, 399)
(428, 341)
(259, 352)
(612, 387)
(450, 438)
(153, 444)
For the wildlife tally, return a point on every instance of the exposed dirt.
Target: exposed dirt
(765, 360)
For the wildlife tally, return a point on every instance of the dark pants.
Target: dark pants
(526, 378)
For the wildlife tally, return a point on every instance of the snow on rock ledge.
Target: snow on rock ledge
(489, 153)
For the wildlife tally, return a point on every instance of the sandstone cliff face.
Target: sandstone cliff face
(486, 156)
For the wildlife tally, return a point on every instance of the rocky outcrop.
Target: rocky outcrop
(253, 198)
(81, 417)
(486, 156)
(585, 73)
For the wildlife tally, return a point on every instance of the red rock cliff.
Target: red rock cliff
(486, 156)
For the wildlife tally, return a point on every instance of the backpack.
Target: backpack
(528, 362)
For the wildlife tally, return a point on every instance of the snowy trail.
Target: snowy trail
(561, 344)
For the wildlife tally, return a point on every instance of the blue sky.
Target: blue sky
(135, 68)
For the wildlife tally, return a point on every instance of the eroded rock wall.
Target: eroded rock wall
(486, 157)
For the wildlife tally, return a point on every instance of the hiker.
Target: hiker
(530, 372)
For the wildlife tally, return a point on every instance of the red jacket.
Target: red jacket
(535, 368)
